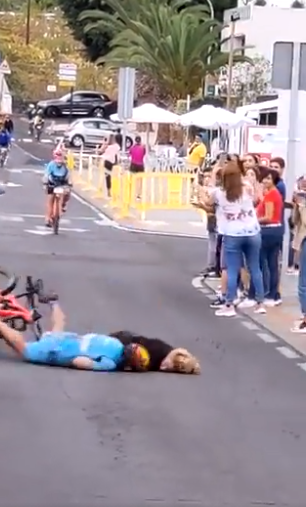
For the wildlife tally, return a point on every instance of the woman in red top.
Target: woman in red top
(270, 213)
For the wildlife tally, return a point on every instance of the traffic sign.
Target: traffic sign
(238, 14)
(51, 88)
(4, 67)
(67, 74)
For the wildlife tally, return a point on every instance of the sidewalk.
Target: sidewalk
(278, 320)
(177, 223)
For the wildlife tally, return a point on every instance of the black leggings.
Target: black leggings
(108, 166)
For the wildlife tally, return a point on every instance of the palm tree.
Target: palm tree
(171, 42)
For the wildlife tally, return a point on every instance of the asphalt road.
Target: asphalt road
(233, 437)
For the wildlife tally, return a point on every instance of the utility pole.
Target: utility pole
(28, 23)
(212, 16)
(235, 16)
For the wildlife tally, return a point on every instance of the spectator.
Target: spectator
(270, 216)
(137, 155)
(8, 124)
(110, 157)
(211, 270)
(250, 161)
(196, 153)
(299, 245)
(238, 224)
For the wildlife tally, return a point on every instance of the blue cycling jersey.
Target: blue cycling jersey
(59, 349)
(56, 173)
(5, 139)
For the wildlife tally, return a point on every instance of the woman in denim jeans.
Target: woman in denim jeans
(270, 216)
(299, 245)
(238, 223)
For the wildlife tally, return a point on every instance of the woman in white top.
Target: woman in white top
(110, 157)
(238, 224)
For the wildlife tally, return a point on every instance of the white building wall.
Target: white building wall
(268, 25)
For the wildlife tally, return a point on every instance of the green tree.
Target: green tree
(97, 43)
(175, 44)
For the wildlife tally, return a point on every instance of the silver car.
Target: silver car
(91, 132)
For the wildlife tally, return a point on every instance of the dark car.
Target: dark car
(84, 103)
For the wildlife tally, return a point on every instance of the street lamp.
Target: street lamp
(234, 18)
(28, 24)
(212, 16)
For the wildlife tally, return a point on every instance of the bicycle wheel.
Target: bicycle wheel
(56, 215)
(11, 282)
(34, 288)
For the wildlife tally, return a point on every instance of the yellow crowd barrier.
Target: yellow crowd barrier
(132, 194)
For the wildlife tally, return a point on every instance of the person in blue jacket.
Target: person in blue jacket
(91, 351)
(56, 175)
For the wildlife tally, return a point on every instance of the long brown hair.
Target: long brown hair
(232, 182)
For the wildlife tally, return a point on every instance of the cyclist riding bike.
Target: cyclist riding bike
(56, 175)
(92, 351)
(5, 141)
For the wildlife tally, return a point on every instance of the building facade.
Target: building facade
(267, 25)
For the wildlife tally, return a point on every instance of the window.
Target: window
(91, 96)
(91, 125)
(104, 125)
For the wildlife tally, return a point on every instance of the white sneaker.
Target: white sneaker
(272, 302)
(247, 303)
(260, 310)
(226, 311)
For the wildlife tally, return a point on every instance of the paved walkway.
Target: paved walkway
(175, 222)
(279, 320)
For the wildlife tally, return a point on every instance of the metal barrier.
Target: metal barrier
(133, 194)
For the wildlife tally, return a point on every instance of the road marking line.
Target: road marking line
(302, 366)
(197, 282)
(250, 325)
(267, 338)
(211, 296)
(204, 291)
(289, 353)
(11, 218)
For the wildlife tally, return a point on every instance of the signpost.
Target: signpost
(231, 16)
(126, 91)
(4, 70)
(67, 76)
(289, 80)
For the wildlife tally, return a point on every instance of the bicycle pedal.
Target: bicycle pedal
(36, 315)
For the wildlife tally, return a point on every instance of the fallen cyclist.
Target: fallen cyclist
(59, 348)
(120, 351)
(161, 355)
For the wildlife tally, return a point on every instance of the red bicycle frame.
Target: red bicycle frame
(11, 309)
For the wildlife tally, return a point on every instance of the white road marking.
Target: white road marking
(197, 282)
(302, 366)
(267, 338)
(11, 218)
(38, 233)
(66, 229)
(250, 325)
(289, 353)
(11, 184)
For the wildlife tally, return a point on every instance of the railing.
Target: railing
(133, 194)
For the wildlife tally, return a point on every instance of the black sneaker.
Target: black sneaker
(218, 303)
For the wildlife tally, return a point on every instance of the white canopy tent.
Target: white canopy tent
(149, 113)
(210, 117)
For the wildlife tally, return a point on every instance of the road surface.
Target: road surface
(233, 437)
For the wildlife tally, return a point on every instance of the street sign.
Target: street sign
(4, 67)
(238, 14)
(67, 74)
(51, 88)
(126, 90)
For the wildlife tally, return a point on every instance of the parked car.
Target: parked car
(84, 103)
(91, 131)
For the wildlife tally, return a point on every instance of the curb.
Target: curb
(261, 325)
(131, 228)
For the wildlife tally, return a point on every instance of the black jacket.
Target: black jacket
(158, 349)
(9, 126)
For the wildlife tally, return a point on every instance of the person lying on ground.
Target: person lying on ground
(161, 355)
(88, 352)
